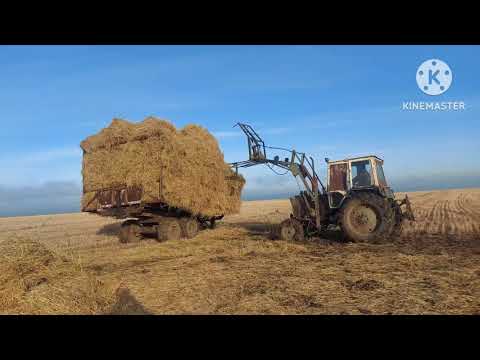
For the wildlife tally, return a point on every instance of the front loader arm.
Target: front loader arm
(298, 164)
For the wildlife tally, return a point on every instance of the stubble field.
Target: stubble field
(73, 263)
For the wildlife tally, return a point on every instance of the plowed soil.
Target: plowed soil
(432, 268)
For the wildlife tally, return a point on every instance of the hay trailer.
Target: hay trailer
(156, 219)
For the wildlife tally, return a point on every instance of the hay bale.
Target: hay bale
(184, 169)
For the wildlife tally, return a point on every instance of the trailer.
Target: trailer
(162, 181)
(153, 219)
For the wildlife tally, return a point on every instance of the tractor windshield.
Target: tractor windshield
(361, 173)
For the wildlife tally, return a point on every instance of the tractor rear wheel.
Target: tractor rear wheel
(291, 230)
(367, 217)
(189, 227)
(129, 232)
(169, 229)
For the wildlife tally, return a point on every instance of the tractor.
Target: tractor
(357, 197)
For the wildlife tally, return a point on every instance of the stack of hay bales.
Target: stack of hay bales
(182, 168)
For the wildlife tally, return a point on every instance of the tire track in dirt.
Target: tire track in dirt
(428, 226)
(456, 224)
(464, 214)
(454, 219)
(447, 223)
(442, 218)
(411, 230)
(470, 215)
(470, 207)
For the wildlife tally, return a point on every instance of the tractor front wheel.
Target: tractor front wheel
(291, 230)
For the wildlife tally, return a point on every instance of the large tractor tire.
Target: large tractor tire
(189, 227)
(129, 232)
(367, 217)
(169, 229)
(291, 230)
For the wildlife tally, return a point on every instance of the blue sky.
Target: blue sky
(329, 101)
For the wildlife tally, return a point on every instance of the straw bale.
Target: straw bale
(183, 168)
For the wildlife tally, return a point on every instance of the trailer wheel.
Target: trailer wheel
(169, 229)
(129, 232)
(189, 227)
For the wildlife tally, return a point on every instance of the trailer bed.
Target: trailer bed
(160, 219)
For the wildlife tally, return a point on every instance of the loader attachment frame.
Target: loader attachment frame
(298, 164)
(408, 212)
(256, 146)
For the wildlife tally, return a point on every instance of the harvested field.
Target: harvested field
(433, 268)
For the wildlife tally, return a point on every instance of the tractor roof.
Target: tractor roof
(356, 158)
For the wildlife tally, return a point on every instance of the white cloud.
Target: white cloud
(54, 164)
(227, 134)
(47, 198)
(268, 131)
(51, 154)
(276, 131)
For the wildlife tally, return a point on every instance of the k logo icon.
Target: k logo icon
(434, 77)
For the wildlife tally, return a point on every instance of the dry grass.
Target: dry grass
(432, 269)
(35, 280)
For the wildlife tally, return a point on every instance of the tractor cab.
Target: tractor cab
(360, 173)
